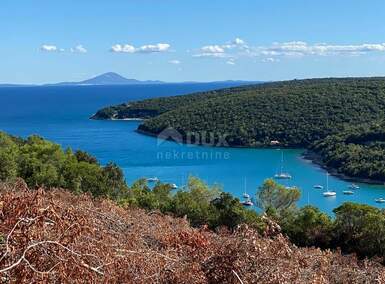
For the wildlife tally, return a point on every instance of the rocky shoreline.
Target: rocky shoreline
(317, 159)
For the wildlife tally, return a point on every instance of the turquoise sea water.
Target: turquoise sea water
(61, 114)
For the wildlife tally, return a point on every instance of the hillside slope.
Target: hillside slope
(53, 236)
(358, 151)
(296, 113)
(153, 107)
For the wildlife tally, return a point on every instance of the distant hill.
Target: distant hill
(112, 78)
(109, 78)
(15, 85)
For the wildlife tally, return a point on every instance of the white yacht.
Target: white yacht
(245, 194)
(174, 186)
(247, 202)
(328, 193)
(153, 179)
(282, 174)
(318, 186)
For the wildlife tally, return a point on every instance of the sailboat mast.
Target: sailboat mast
(281, 162)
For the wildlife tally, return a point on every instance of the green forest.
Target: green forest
(310, 114)
(358, 151)
(42, 163)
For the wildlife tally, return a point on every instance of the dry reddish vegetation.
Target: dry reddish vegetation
(55, 236)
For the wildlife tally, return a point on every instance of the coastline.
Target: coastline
(116, 119)
(127, 119)
(306, 155)
(317, 160)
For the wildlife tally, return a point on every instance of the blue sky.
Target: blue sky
(178, 40)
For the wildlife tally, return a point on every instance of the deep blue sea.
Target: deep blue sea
(62, 114)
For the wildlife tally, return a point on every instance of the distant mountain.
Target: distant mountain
(112, 78)
(109, 78)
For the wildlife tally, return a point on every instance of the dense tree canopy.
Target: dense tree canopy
(358, 151)
(43, 163)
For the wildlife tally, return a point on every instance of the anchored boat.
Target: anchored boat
(328, 193)
(282, 174)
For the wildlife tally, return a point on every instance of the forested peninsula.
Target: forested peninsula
(339, 119)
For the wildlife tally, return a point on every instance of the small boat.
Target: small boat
(282, 174)
(245, 195)
(318, 186)
(380, 200)
(354, 186)
(174, 186)
(348, 192)
(153, 179)
(247, 202)
(328, 193)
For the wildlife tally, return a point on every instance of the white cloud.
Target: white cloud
(300, 48)
(213, 55)
(238, 41)
(126, 48)
(226, 50)
(270, 60)
(213, 49)
(79, 49)
(230, 61)
(238, 48)
(49, 48)
(160, 47)
(150, 48)
(176, 62)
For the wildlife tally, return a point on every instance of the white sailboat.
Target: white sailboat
(174, 186)
(247, 201)
(328, 193)
(282, 174)
(245, 195)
